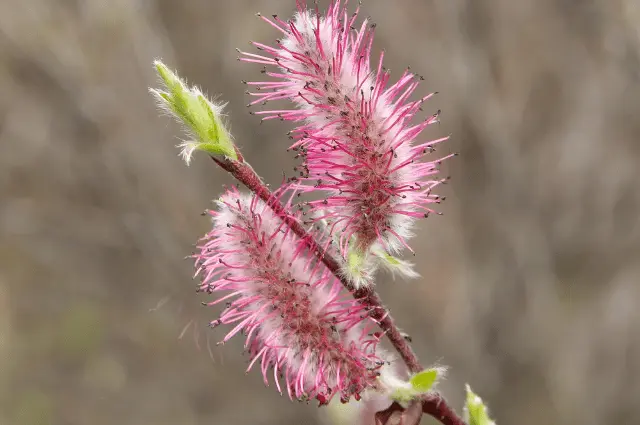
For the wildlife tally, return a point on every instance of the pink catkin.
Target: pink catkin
(299, 323)
(356, 135)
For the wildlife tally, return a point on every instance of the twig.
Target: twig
(436, 406)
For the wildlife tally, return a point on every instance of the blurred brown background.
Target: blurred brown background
(531, 278)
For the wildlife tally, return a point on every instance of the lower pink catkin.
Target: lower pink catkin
(300, 325)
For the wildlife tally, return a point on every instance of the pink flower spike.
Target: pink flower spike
(355, 133)
(296, 316)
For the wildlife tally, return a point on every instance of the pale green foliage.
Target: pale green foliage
(423, 381)
(202, 118)
(420, 383)
(475, 411)
(357, 267)
(394, 264)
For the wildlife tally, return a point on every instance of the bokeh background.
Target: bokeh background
(531, 279)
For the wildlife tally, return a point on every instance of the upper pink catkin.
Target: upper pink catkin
(355, 135)
(298, 321)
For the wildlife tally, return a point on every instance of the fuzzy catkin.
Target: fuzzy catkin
(299, 322)
(355, 132)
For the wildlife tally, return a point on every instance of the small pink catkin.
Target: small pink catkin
(300, 325)
(355, 133)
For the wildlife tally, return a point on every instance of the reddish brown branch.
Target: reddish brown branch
(371, 298)
(435, 406)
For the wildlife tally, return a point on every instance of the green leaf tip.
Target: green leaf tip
(419, 384)
(202, 118)
(394, 264)
(393, 261)
(358, 267)
(355, 261)
(476, 413)
(423, 381)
